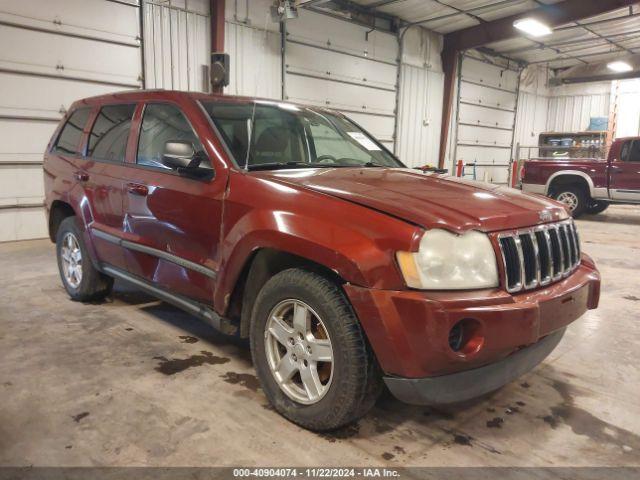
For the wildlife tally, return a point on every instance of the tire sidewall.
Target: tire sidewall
(340, 393)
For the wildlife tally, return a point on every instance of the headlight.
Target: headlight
(446, 261)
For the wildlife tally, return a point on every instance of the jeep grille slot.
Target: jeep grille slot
(534, 257)
(512, 263)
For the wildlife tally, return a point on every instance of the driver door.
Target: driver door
(172, 221)
(624, 182)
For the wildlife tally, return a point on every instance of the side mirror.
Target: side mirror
(179, 154)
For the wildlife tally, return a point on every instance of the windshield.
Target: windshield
(287, 136)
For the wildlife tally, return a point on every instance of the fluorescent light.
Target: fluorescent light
(533, 27)
(619, 66)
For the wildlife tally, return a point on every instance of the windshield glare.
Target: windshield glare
(287, 136)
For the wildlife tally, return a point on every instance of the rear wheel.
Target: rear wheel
(573, 196)
(79, 277)
(597, 207)
(312, 358)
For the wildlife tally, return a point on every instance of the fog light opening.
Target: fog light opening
(465, 337)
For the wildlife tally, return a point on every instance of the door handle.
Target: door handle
(138, 189)
(82, 176)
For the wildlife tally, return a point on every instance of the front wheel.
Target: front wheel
(80, 278)
(573, 197)
(312, 358)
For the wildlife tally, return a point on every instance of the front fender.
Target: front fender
(357, 243)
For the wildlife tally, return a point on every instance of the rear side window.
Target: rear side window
(163, 123)
(110, 133)
(69, 139)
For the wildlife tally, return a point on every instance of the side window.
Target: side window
(634, 152)
(163, 123)
(110, 132)
(69, 139)
(624, 151)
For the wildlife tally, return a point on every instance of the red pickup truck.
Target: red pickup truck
(293, 227)
(588, 185)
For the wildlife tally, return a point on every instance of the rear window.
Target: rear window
(110, 133)
(69, 139)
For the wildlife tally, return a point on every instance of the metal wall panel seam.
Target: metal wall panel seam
(69, 34)
(70, 78)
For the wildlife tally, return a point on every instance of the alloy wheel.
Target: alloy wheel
(569, 199)
(299, 351)
(71, 260)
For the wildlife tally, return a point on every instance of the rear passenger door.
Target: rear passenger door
(172, 222)
(103, 173)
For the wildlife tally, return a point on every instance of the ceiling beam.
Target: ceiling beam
(597, 72)
(554, 15)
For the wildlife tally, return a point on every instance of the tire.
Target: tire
(348, 386)
(85, 283)
(573, 196)
(597, 207)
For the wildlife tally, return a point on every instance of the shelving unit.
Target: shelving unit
(567, 145)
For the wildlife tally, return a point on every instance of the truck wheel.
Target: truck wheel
(312, 358)
(573, 197)
(597, 207)
(79, 277)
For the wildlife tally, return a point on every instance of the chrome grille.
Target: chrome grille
(537, 256)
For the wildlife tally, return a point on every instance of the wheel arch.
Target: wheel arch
(260, 266)
(570, 177)
(57, 213)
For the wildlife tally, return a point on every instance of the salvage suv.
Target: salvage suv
(293, 227)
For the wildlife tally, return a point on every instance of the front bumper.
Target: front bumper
(458, 387)
(409, 330)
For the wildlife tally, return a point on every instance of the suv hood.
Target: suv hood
(428, 200)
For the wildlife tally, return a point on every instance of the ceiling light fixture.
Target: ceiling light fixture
(619, 66)
(532, 27)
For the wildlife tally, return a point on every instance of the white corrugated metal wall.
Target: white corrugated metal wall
(572, 106)
(62, 50)
(253, 43)
(533, 106)
(177, 42)
(628, 108)
(421, 95)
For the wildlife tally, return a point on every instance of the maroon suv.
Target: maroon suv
(292, 226)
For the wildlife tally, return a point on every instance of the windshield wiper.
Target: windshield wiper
(278, 165)
(373, 165)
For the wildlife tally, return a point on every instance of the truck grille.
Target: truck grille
(535, 257)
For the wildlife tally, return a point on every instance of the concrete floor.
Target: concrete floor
(133, 381)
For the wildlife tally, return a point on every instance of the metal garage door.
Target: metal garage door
(55, 52)
(332, 63)
(485, 118)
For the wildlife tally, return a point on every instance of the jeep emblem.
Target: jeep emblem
(545, 216)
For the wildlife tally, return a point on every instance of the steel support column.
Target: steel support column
(450, 68)
(217, 29)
